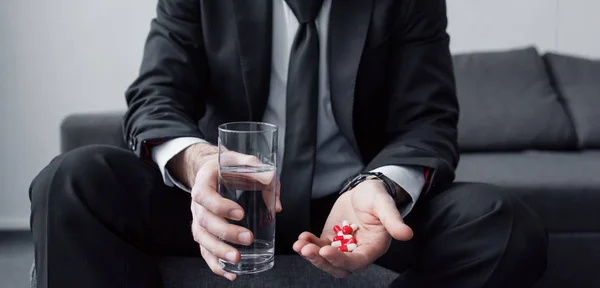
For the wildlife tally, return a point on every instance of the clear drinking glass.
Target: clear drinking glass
(248, 176)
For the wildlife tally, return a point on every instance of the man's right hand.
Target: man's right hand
(209, 209)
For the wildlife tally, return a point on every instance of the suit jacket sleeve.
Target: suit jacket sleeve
(166, 100)
(422, 126)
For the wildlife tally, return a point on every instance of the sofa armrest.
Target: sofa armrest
(79, 130)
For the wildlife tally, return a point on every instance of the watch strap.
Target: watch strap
(390, 185)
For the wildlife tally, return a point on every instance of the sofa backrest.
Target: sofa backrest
(79, 130)
(577, 81)
(509, 100)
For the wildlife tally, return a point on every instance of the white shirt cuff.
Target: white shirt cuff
(161, 155)
(410, 178)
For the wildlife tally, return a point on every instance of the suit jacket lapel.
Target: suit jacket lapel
(348, 27)
(254, 27)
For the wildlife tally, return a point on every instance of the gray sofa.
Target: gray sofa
(527, 121)
(532, 123)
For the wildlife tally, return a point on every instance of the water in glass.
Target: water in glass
(252, 187)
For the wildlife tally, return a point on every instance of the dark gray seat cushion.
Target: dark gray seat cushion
(507, 103)
(563, 188)
(289, 271)
(578, 83)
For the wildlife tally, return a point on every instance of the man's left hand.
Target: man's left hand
(370, 207)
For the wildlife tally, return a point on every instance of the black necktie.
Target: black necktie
(300, 126)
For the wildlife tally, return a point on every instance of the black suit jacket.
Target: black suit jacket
(207, 62)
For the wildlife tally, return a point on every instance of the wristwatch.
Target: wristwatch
(390, 185)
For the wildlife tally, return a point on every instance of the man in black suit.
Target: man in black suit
(361, 89)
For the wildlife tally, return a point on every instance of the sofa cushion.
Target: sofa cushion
(563, 188)
(578, 83)
(507, 103)
(289, 271)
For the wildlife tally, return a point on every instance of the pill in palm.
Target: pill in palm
(337, 229)
(347, 230)
(342, 237)
(347, 247)
(344, 240)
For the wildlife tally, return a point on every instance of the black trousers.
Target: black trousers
(100, 216)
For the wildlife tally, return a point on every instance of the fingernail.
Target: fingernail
(236, 214)
(245, 237)
(229, 276)
(230, 256)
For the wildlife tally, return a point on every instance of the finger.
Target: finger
(205, 193)
(311, 252)
(255, 181)
(214, 245)
(354, 261)
(278, 206)
(298, 245)
(222, 229)
(270, 200)
(213, 263)
(258, 181)
(232, 158)
(387, 212)
(311, 238)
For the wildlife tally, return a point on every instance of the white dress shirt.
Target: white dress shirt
(336, 160)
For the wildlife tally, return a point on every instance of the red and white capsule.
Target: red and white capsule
(337, 229)
(347, 230)
(339, 243)
(342, 237)
(347, 247)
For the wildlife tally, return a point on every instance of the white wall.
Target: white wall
(579, 27)
(491, 24)
(58, 57)
(568, 26)
(65, 56)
